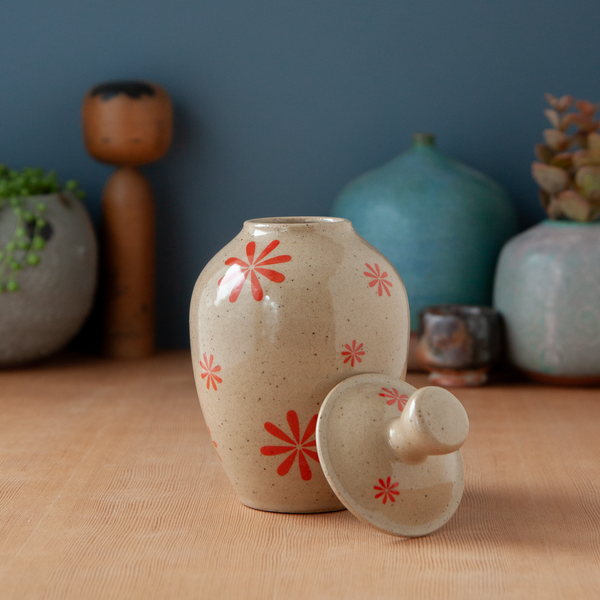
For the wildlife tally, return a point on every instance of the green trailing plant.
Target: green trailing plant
(22, 193)
(569, 169)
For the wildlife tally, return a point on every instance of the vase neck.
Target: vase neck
(423, 140)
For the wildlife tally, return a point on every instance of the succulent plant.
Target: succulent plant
(568, 171)
(23, 192)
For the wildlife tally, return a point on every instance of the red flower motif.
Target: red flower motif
(215, 445)
(387, 490)
(240, 270)
(297, 447)
(395, 397)
(378, 278)
(209, 372)
(354, 353)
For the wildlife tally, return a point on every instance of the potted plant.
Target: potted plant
(48, 261)
(547, 282)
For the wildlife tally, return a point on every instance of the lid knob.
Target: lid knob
(433, 422)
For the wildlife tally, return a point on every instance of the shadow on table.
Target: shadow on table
(568, 520)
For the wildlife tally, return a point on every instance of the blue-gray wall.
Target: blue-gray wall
(280, 102)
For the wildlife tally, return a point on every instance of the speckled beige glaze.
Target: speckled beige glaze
(391, 452)
(320, 310)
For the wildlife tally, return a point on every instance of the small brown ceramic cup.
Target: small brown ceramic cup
(458, 344)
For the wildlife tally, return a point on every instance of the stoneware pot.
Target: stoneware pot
(548, 290)
(280, 316)
(55, 296)
(458, 344)
(440, 223)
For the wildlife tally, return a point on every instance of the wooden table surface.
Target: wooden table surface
(110, 488)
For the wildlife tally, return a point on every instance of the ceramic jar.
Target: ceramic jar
(54, 297)
(548, 290)
(285, 312)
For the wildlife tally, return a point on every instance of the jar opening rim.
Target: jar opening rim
(269, 221)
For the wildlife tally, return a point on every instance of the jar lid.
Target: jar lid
(391, 452)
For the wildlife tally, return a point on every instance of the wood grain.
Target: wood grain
(110, 488)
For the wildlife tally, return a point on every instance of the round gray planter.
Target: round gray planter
(54, 297)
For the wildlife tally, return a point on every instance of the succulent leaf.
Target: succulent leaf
(566, 121)
(549, 178)
(553, 209)
(587, 180)
(544, 153)
(595, 212)
(585, 122)
(559, 104)
(557, 140)
(544, 198)
(593, 141)
(581, 158)
(553, 117)
(564, 160)
(573, 206)
(586, 107)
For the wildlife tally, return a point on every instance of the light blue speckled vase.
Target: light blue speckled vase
(548, 289)
(440, 223)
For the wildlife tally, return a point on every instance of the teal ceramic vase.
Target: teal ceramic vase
(548, 289)
(440, 223)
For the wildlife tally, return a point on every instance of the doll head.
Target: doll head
(127, 122)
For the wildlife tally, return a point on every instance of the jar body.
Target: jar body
(548, 289)
(287, 310)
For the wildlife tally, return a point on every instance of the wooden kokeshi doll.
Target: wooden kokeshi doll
(128, 123)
